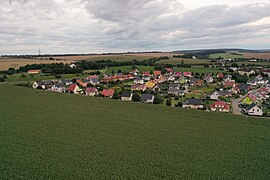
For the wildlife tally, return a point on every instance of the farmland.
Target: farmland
(226, 56)
(46, 135)
(257, 55)
(185, 60)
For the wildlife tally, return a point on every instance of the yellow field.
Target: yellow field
(6, 63)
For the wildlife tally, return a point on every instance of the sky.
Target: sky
(97, 26)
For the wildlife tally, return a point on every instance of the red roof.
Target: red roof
(219, 103)
(108, 92)
(187, 73)
(220, 75)
(157, 73)
(91, 90)
(169, 69)
(146, 73)
(34, 71)
(252, 97)
(229, 84)
(72, 87)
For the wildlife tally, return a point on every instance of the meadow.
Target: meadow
(226, 56)
(45, 135)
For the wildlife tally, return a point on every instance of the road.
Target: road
(235, 106)
(235, 103)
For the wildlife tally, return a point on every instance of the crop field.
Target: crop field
(226, 56)
(198, 69)
(6, 63)
(45, 135)
(257, 55)
(186, 61)
(127, 69)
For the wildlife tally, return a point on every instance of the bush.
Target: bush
(168, 102)
(136, 97)
(176, 98)
(158, 100)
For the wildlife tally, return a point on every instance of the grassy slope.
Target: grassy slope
(48, 135)
(225, 55)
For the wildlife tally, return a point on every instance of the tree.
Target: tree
(4, 77)
(136, 97)
(119, 71)
(182, 63)
(158, 100)
(116, 96)
(113, 71)
(180, 104)
(168, 102)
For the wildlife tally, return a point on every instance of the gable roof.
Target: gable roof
(91, 90)
(146, 97)
(126, 94)
(72, 87)
(195, 102)
(108, 92)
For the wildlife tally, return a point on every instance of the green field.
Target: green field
(225, 56)
(45, 135)
(127, 69)
(186, 61)
(120, 58)
(198, 69)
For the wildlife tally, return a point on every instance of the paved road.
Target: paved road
(235, 105)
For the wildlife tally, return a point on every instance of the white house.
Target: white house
(126, 96)
(254, 110)
(59, 87)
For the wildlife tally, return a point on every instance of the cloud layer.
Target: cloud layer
(75, 26)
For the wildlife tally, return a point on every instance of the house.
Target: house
(146, 73)
(169, 70)
(126, 96)
(150, 84)
(217, 94)
(138, 87)
(58, 87)
(94, 81)
(138, 80)
(171, 78)
(253, 110)
(229, 84)
(83, 83)
(74, 89)
(34, 71)
(107, 93)
(193, 104)
(38, 85)
(66, 82)
(187, 74)
(174, 86)
(195, 82)
(72, 66)
(177, 74)
(42, 85)
(183, 80)
(220, 106)
(209, 78)
(227, 78)
(220, 75)
(146, 78)
(247, 72)
(173, 91)
(244, 88)
(157, 73)
(248, 100)
(148, 98)
(91, 91)
(182, 93)
(157, 88)
(161, 79)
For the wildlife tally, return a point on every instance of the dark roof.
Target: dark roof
(174, 85)
(146, 97)
(94, 80)
(59, 85)
(126, 94)
(173, 90)
(193, 102)
(251, 106)
(244, 87)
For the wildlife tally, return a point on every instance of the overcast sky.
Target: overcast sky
(89, 26)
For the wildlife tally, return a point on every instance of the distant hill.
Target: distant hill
(216, 51)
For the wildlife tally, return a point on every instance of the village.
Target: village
(210, 92)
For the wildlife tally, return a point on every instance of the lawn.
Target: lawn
(185, 60)
(28, 78)
(45, 135)
(225, 56)
(127, 69)
(199, 69)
